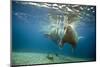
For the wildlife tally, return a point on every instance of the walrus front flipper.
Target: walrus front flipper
(70, 37)
(61, 44)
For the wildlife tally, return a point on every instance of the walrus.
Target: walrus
(70, 37)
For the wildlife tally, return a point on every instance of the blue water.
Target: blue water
(26, 35)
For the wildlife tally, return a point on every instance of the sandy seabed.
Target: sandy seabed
(22, 58)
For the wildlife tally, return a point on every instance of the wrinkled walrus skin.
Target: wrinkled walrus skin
(69, 37)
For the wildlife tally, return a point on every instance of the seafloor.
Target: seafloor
(26, 58)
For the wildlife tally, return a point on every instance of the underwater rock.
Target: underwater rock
(69, 37)
(50, 57)
(56, 54)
